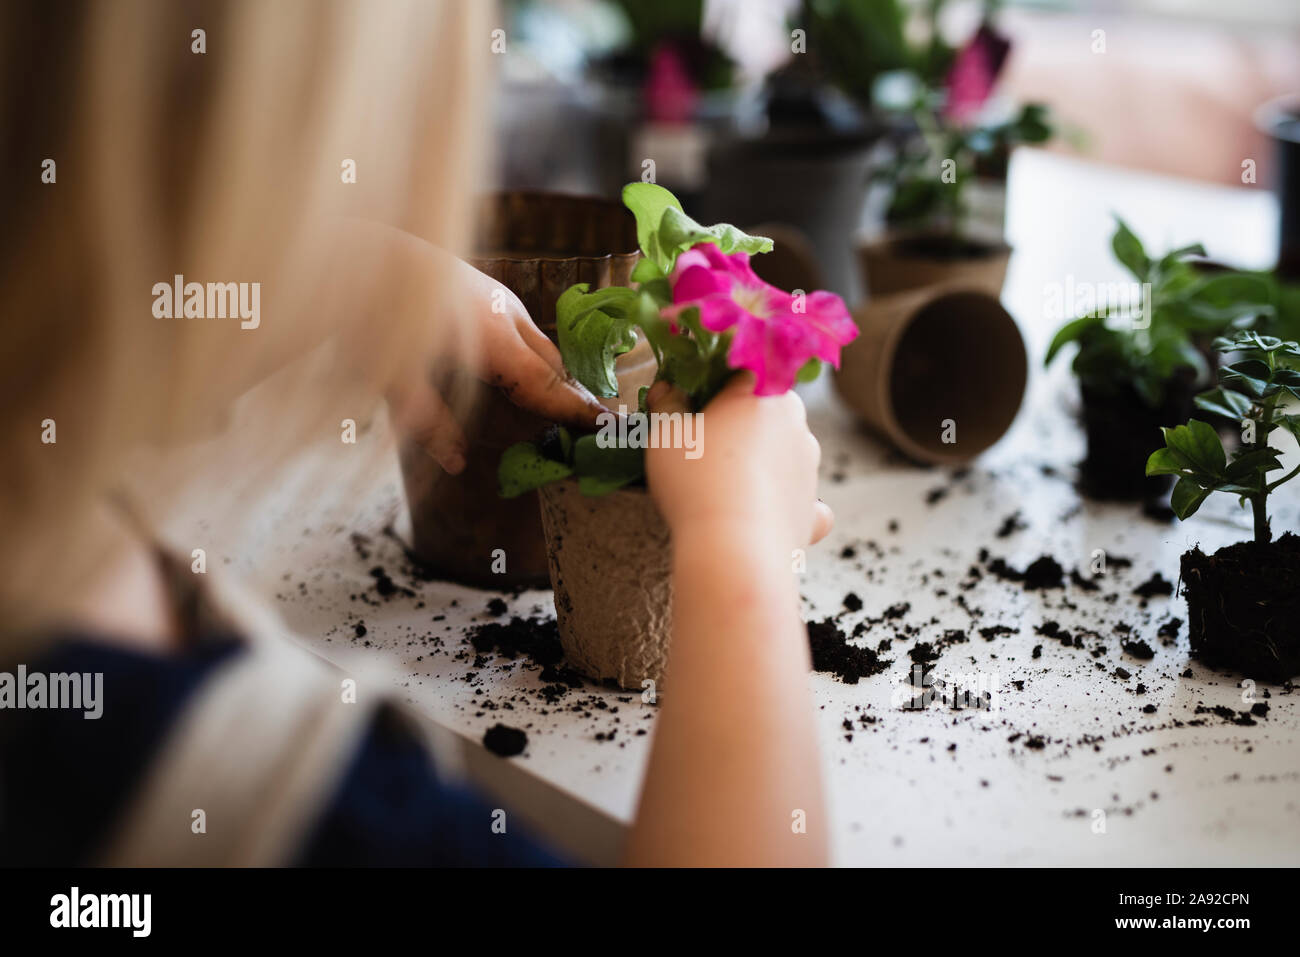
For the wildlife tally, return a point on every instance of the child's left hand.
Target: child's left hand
(512, 354)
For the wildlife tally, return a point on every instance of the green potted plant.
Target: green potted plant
(951, 145)
(944, 219)
(1142, 356)
(704, 312)
(1243, 601)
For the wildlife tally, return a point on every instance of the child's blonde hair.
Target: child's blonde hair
(213, 141)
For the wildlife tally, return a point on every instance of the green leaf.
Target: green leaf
(1187, 498)
(1288, 379)
(1225, 403)
(646, 270)
(809, 371)
(648, 203)
(663, 230)
(1071, 332)
(1247, 339)
(603, 468)
(678, 232)
(1128, 250)
(1251, 462)
(1031, 126)
(591, 338)
(1250, 376)
(1291, 423)
(688, 371)
(1199, 445)
(523, 468)
(1163, 462)
(1172, 257)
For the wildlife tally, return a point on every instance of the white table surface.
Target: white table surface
(1172, 791)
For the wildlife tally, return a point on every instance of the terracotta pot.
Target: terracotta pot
(901, 262)
(611, 567)
(537, 244)
(933, 355)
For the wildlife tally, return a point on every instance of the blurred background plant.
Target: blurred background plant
(785, 111)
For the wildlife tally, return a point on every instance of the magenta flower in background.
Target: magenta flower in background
(669, 93)
(773, 333)
(974, 73)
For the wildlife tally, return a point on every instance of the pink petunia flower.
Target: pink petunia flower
(669, 93)
(974, 73)
(773, 333)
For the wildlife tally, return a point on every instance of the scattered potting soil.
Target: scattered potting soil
(1053, 629)
(936, 495)
(1243, 605)
(1155, 585)
(1139, 649)
(832, 653)
(1010, 525)
(535, 638)
(923, 653)
(505, 741)
(385, 585)
(514, 665)
(1078, 581)
(1042, 573)
(995, 631)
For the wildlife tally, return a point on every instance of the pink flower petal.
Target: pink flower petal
(773, 332)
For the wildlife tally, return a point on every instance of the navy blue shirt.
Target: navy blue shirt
(65, 780)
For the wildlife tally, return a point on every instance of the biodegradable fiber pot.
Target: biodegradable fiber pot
(903, 262)
(611, 567)
(1243, 603)
(934, 365)
(536, 244)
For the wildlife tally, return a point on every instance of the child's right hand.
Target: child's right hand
(757, 467)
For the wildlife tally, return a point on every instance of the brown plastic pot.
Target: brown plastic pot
(611, 567)
(538, 245)
(900, 262)
(933, 355)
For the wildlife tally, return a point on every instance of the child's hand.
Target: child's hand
(757, 467)
(512, 354)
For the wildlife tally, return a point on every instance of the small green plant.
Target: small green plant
(1251, 392)
(1141, 342)
(927, 196)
